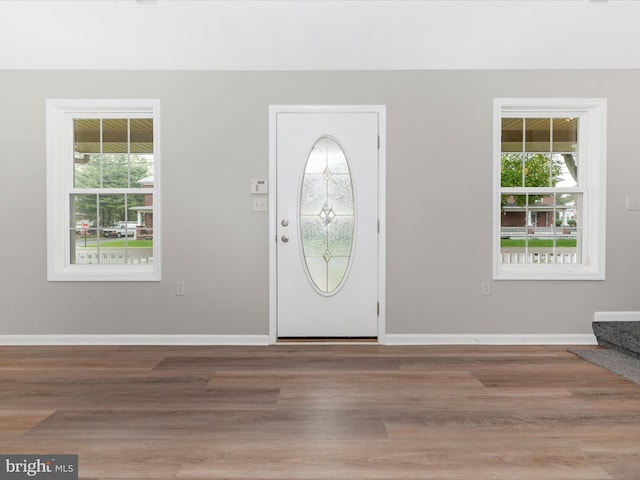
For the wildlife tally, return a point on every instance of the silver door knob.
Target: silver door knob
(284, 222)
(284, 239)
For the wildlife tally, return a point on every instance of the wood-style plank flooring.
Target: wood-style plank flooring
(321, 412)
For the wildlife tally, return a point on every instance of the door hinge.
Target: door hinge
(378, 226)
(378, 142)
(378, 309)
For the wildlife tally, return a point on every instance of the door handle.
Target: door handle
(284, 239)
(284, 222)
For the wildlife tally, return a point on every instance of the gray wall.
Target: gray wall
(215, 138)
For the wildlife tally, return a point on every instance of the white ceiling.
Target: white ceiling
(319, 34)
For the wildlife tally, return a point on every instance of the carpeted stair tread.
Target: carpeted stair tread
(621, 336)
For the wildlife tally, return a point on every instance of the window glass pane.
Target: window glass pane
(87, 170)
(86, 161)
(111, 170)
(86, 136)
(575, 221)
(83, 230)
(83, 211)
(135, 205)
(139, 239)
(512, 170)
(141, 135)
(124, 171)
(140, 209)
(568, 165)
(513, 201)
(543, 213)
(537, 135)
(115, 170)
(566, 212)
(539, 170)
(540, 229)
(513, 228)
(115, 136)
(513, 215)
(565, 135)
(512, 134)
(141, 171)
(111, 210)
(120, 238)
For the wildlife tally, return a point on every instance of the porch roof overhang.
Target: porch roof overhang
(142, 208)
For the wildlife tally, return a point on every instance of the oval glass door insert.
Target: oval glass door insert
(327, 216)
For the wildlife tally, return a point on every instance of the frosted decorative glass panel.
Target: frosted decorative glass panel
(315, 194)
(314, 236)
(327, 215)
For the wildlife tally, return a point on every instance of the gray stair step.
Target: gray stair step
(621, 336)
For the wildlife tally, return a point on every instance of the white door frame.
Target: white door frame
(274, 110)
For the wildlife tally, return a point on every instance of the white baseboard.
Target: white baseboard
(263, 340)
(491, 339)
(616, 316)
(134, 340)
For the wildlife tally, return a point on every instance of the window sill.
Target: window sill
(105, 273)
(548, 272)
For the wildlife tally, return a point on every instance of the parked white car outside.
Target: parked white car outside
(120, 230)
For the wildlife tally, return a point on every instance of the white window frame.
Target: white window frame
(60, 116)
(592, 138)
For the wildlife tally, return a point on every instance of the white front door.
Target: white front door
(327, 214)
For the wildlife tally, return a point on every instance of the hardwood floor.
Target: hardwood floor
(321, 412)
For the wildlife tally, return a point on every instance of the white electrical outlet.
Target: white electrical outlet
(485, 287)
(259, 204)
(180, 287)
(633, 202)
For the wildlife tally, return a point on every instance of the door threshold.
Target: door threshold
(327, 340)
